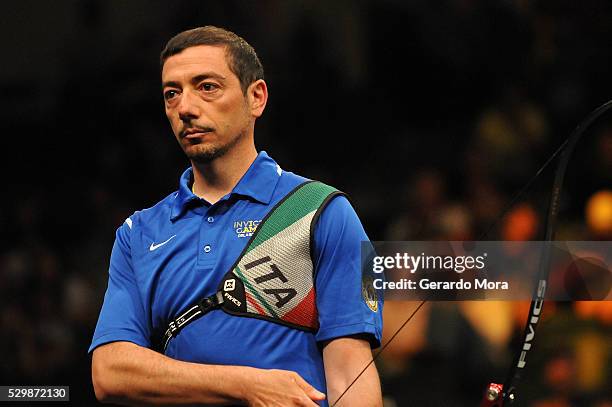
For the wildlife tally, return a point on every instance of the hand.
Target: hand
(279, 388)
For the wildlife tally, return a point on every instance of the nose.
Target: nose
(188, 108)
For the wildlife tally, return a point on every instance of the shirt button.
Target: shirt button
(207, 248)
(210, 219)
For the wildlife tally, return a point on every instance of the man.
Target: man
(168, 257)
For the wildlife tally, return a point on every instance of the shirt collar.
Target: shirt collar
(258, 183)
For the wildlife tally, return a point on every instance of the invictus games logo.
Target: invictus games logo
(245, 228)
(368, 292)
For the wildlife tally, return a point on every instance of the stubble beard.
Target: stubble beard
(205, 154)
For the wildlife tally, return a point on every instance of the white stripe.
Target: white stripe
(129, 222)
(191, 317)
(187, 312)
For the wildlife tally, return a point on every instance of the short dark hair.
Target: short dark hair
(241, 57)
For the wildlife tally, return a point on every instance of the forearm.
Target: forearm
(344, 359)
(129, 374)
(364, 392)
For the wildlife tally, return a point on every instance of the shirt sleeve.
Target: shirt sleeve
(122, 317)
(343, 310)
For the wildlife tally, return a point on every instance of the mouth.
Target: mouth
(195, 133)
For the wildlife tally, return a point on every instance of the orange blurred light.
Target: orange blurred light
(601, 310)
(599, 213)
(520, 224)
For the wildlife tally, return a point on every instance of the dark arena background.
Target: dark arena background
(429, 114)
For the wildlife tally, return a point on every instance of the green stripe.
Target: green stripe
(254, 292)
(306, 199)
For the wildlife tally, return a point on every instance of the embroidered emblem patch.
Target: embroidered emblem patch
(368, 292)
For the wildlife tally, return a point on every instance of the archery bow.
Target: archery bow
(495, 395)
(499, 395)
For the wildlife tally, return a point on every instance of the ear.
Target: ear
(257, 95)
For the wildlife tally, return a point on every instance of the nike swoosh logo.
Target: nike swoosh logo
(156, 246)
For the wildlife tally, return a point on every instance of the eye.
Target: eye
(170, 94)
(208, 86)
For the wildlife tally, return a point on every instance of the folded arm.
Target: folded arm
(129, 374)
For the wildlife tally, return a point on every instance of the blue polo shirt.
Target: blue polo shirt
(167, 257)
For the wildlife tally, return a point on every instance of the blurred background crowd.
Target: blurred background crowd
(431, 115)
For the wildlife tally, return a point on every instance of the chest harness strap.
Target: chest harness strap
(273, 278)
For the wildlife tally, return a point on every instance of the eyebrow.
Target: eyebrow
(196, 79)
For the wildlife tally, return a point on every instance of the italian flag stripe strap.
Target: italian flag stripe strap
(273, 279)
(303, 200)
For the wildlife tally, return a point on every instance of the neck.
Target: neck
(215, 179)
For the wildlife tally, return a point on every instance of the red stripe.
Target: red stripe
(254, 303)
(305, 313)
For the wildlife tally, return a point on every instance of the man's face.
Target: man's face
(207, 110)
